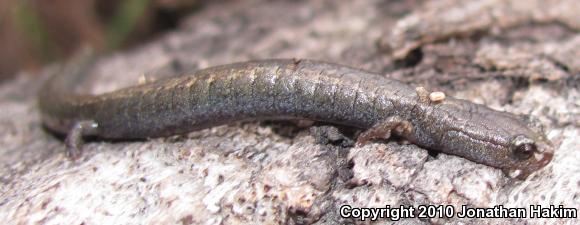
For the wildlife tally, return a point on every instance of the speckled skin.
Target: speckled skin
(285, 88)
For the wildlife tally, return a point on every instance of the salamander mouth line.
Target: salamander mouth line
(538, 154)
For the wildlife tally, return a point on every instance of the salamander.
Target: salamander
(279, 89)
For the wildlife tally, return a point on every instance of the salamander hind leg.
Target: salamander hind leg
(383, 130)
(74, 139)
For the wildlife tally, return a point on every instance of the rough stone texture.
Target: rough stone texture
(440, 20)
(272, 172)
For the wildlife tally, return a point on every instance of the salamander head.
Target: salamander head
(502, 140)
(530, 153)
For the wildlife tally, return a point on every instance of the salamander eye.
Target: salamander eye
(523, 147)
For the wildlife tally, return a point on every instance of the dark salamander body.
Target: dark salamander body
(283, 89)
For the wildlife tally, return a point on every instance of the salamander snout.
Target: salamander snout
(531, 155)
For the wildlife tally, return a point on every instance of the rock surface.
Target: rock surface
(275, 172)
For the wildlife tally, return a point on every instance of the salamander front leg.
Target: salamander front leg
(74, 139)
(383, 130)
